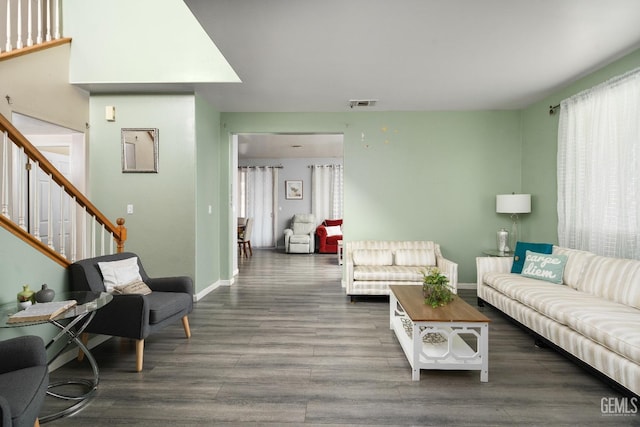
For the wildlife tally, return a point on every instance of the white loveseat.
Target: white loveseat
(371, 266)
(593, 315)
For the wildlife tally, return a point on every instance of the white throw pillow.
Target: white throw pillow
(333, 230)
(118, 273)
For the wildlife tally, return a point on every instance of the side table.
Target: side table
(71, 324)
(340, 249)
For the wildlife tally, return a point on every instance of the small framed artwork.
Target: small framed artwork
(293, 190)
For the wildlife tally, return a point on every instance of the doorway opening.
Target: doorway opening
(290, 157)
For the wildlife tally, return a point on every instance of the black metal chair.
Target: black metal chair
(24, 378)
(135, 316)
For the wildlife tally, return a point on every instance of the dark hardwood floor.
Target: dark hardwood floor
(284, 346)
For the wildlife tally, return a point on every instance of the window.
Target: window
(599, 169)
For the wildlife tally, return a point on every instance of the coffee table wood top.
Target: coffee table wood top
(411, 299)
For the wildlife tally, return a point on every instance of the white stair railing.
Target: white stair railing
(41, 206)
(43, 15)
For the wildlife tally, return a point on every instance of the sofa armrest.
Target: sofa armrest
(312, 241)
(348, 272)
(321, 231)
(495, 264)
(450, 269)
(171, 284)
(125, 316)
(287, 235)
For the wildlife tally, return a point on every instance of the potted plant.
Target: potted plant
(435, 288)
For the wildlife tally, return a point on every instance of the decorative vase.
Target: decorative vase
(503, 239)
(45, 294)
(26, 297)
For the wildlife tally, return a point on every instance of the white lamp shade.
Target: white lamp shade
(513, 203)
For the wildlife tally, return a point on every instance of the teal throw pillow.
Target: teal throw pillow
(521, 252)
(544, 266)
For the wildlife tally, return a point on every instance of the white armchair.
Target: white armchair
(300, 238)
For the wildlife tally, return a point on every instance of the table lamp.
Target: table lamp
(513, 204)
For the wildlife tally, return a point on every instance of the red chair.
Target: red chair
(329, 233)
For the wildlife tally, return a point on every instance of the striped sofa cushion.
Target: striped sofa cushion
(377, 257)
(423, 257)
(615, 279)
(576, 262)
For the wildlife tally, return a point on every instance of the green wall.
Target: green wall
(540, 146)
(21, 264)
(162, 228)
(210, 254)
(416, 175)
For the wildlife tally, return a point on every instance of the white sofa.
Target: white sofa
(371, 266)
(593, 315)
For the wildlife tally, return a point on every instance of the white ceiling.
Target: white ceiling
(410, 55)
(313, 55)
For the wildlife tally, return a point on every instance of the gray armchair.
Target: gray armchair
(135, 316)
(300, 238)
(24, 377)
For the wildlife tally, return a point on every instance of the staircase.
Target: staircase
(37, 202)
(33, 192)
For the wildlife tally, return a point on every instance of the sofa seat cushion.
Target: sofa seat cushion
(544, 297)
(388, 273)
(610, 324)
(614, 326)
(300, 239)
(163, 305)
(374, 287)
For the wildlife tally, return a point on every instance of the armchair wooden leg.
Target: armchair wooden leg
(139, 354)
(185, 325)
(85, 340)
(37, 423)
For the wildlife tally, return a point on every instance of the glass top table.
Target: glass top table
(71, 325)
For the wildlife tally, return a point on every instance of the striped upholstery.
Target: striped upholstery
(372, 257)
(392, 272)
(368, 270)
(615, 366)
(576, 263)
(615, 279)
(415, 257)
(596, 317)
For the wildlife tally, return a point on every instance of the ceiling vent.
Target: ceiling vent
(362, 103)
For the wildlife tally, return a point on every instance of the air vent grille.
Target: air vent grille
(353, 103)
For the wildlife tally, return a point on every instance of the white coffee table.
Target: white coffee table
(432, 338)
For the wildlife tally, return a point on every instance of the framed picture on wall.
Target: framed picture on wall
(293, 190)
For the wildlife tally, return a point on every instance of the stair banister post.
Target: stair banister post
(8, 47)
(122, 235)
